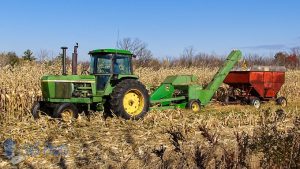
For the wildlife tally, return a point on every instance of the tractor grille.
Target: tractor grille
(63, 90)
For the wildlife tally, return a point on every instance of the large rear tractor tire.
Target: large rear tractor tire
(194, 105)
(66, 111)
(130, 99)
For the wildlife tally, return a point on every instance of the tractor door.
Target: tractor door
(122, 65)
(102, 70)
(106, 65)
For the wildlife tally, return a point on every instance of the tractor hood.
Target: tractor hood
(67, 87)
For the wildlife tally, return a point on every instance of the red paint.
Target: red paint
(263, 84)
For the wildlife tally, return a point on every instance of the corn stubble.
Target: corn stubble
(231, 136)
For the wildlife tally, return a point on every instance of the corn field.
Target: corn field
(233, 136)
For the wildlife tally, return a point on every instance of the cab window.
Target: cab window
(111, 63)
(121, 65)
(103, 65)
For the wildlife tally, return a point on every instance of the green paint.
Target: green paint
(164, 91)
(71, 100)
(212, 87)
(61, 87)
(181, 105)
(168, 100)
(83, 88)
(180, 80)
(162, 107)
(180, 86)
(194, 91)
(110, 51)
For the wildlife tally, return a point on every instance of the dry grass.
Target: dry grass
(218, 137)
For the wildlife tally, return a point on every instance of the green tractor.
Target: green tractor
(109, 86)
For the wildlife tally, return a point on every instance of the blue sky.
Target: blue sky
(167, 26)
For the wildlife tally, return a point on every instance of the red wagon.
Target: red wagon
(261, 83)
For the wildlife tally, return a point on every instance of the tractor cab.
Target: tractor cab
(106, 63)
(110, 61)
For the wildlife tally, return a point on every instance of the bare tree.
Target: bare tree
(136, 46)
(139, 49)
(43, 55)
(187, 57)
(188, 52)
(296, 50)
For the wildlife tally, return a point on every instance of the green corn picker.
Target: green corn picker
(111, 86)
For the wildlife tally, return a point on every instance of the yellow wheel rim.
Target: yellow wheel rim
(195, 107)
(133, 102)
(67, 115)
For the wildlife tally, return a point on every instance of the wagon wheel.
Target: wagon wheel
(255, 102)
(281, 101)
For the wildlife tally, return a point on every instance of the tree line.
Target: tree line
(11, 58)
(188, 58)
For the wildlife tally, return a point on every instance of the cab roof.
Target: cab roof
(106, 51)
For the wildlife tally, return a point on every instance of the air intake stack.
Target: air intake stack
(74, 60)
(64, 56)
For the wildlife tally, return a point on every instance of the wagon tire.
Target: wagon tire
(66, 111)
(194, 105)
(281, 101)
(255, 102)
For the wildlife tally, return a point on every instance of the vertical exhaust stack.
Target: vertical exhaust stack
(64, 56)
(74, 60)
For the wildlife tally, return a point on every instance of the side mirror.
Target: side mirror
(134, 56)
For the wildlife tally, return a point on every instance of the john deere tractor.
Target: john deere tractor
(110, 85)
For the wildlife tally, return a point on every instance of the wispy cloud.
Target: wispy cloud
(266, 47)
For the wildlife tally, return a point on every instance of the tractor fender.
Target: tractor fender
(122, 77)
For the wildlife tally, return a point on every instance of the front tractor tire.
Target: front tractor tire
(66, 111)
(130, 99)
(39, 107)
(36, 109)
